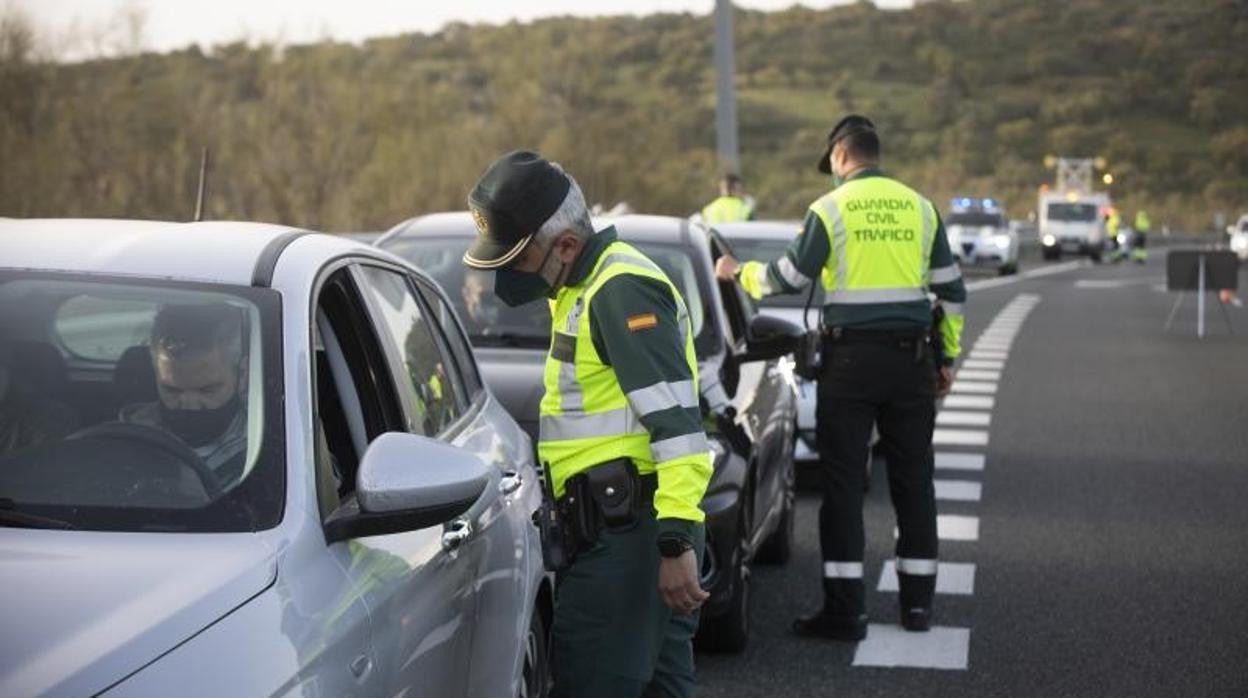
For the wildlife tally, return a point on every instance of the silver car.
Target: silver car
(302, 488)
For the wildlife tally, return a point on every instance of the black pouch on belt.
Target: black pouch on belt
(615, 488)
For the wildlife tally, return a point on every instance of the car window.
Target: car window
(102, 327)
(459, 350)
(423, 374)
(355, 399)
(177, 428)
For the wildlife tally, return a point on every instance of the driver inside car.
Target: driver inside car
(201, 381)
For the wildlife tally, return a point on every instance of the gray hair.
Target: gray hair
(572, 215)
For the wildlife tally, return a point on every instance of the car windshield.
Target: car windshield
(127, 406)
(1081, 213)
(977, 219)
(766, 250)
(490, 322)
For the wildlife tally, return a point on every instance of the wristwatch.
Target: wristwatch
(673, 547)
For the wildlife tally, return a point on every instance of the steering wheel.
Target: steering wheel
(160, 440)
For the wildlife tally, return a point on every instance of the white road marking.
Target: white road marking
(997, 337)
(953, 418)
(955, 578)
(959, 461)
(976, 375)
(955, 527)
(960, 386)
(969, 402)
(1030, 274)
(959, 437)
(941, 647)
(983, 364)
(992, 346)
(958, 490)
(993, 354)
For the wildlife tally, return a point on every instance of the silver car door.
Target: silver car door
(506, 580)
(420, 585)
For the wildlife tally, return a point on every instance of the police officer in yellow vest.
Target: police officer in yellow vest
(621, 431)
(1139, 248)
(878, 247)
(732, 206)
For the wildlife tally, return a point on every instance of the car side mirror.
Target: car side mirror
(770, 337)
(408, 482)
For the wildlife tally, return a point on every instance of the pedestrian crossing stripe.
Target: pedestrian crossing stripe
(969, 402)
(981, 388)
(955, 527)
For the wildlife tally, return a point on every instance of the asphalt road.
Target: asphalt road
(1112, 548)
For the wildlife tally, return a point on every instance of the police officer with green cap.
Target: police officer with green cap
(620, 432)
(878, 247)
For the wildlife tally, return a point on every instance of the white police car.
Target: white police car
(980, 234)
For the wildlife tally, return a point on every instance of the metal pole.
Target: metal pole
(1200, 300)
(725, 90)
(203, 185)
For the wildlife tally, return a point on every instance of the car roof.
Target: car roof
(760, 230)
(216, 252)
(633, 228)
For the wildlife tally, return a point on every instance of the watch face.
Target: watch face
(672, 548)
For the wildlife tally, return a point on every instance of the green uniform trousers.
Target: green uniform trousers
(613, 636)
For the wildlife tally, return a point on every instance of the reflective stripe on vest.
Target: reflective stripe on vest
(586, 418)
(880, 236)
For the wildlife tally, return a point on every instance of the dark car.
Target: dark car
(747, 384)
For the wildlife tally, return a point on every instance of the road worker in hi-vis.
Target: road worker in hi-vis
(625, 455)
(878, 248)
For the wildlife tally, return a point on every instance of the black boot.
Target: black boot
(831, 627)
(916, 620)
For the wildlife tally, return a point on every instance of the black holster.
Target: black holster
(609, 496)
(807, 357)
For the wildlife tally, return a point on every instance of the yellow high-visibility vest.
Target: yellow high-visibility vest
(586, 418)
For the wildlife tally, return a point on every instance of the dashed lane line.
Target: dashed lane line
(958, 490)
(979, 375)
(969, 402)
(891, 646)
(959, 418)
(959, 461)
(983, 364)
(979, 388)
(954, 578)
(959, 437)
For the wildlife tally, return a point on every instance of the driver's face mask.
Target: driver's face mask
(200, 427)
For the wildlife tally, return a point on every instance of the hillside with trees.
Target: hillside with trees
(969, 97)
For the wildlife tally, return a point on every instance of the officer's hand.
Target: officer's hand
(944, 381)
(678, 583)
(726, 268)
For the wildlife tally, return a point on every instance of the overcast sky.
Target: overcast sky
(174, 24)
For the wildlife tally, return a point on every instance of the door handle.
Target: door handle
(455, 534)
(511, 482)
(361, 665)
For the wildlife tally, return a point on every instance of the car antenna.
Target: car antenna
(203, 185)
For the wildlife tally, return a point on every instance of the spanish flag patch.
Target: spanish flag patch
(637, 323)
